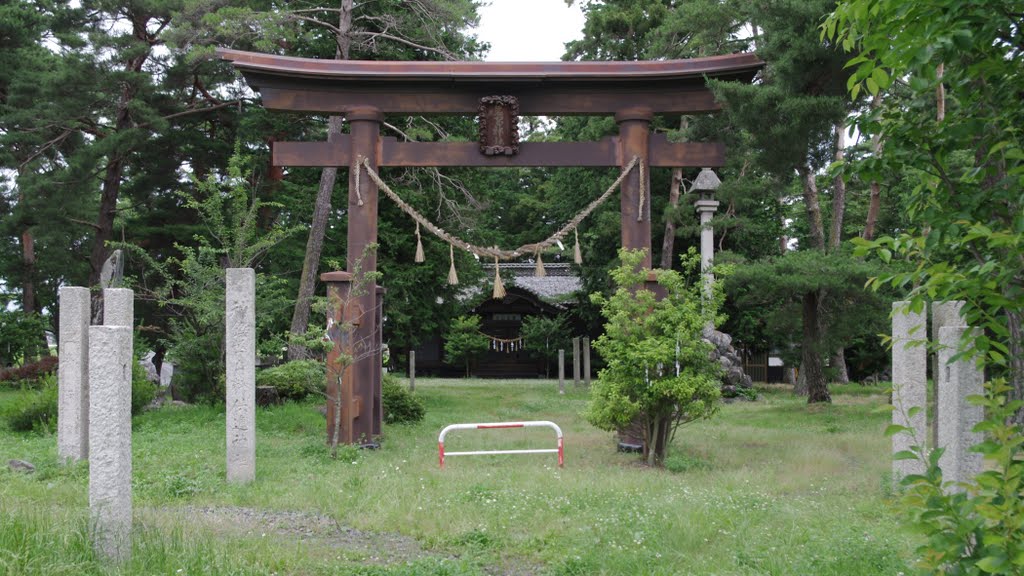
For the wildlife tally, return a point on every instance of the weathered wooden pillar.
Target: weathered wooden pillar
(634, 133)
(378, 366)
(576, 361)
(561, 371)
(352, 299)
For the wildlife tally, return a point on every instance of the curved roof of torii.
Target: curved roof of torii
(289, 83)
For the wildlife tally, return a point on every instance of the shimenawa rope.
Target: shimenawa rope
(496, 252)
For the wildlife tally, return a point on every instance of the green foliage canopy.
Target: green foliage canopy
(659, 369)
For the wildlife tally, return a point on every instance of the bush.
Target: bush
(400, 405)
(32, 372)
(37, 409)
(34, 409)
(294, 380)
(143, 391)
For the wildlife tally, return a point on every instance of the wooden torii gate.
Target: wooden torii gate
(363, 91)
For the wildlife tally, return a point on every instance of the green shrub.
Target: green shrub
(34, 409)
(400, 405)
(294, 380)
(37, 409)
(143, 391)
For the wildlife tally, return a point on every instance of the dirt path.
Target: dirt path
(316, 530)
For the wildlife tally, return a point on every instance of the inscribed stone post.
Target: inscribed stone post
(73, 374)
(412, 370)
(110, 440)
(240, 342)
(943, 314)
(957, 417)
(118, 307)
(909, 371)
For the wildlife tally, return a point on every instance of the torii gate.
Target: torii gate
(363, 91)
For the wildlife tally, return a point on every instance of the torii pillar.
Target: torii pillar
(634, 138)
(354, 325)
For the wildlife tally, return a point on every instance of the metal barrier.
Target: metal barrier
(494, 425)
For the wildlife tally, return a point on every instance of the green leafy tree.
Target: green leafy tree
(19, 336)
(464, 342)
(951, 120)
(773, 291)
(659, 368)
(194, 283)
(543, 337)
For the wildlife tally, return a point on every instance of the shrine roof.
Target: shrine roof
(540, 88)
(729, 66)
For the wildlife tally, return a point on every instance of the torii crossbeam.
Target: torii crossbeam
(363, 91)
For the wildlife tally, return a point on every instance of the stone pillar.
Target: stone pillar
(576, 361)
(943, 314)
(634, 132)
(240, 364)
(706, 208)
(561, 371)
(586, 361)
(110, 440)
(957, 417)
(412, 370)
(909, 386)
(73, 374)
(118, 307)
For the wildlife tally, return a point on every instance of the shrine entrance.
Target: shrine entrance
(363, 91)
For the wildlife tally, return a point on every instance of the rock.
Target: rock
(21, 466)
(166, 374)
(147, 364)
(267, 396)
(732, 365)
(179, 403)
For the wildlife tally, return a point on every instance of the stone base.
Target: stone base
(267, 396)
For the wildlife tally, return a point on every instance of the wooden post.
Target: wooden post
(576, 361)
(561, 371)
(412, 370)
(586, 361)
(361, 377)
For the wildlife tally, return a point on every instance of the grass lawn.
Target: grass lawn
(765, 487)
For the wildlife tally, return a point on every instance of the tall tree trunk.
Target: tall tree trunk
(322, 208)
(104, 230)
(810, 365)
(800, 382)
(668, 244)
(838, 192)
(38, 344)
(838, 359)
(838, 364)
(875, 201)
(114, 171)
(28, 260)
(812, 206)
(811, 369)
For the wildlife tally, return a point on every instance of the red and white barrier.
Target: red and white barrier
(493, 425)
